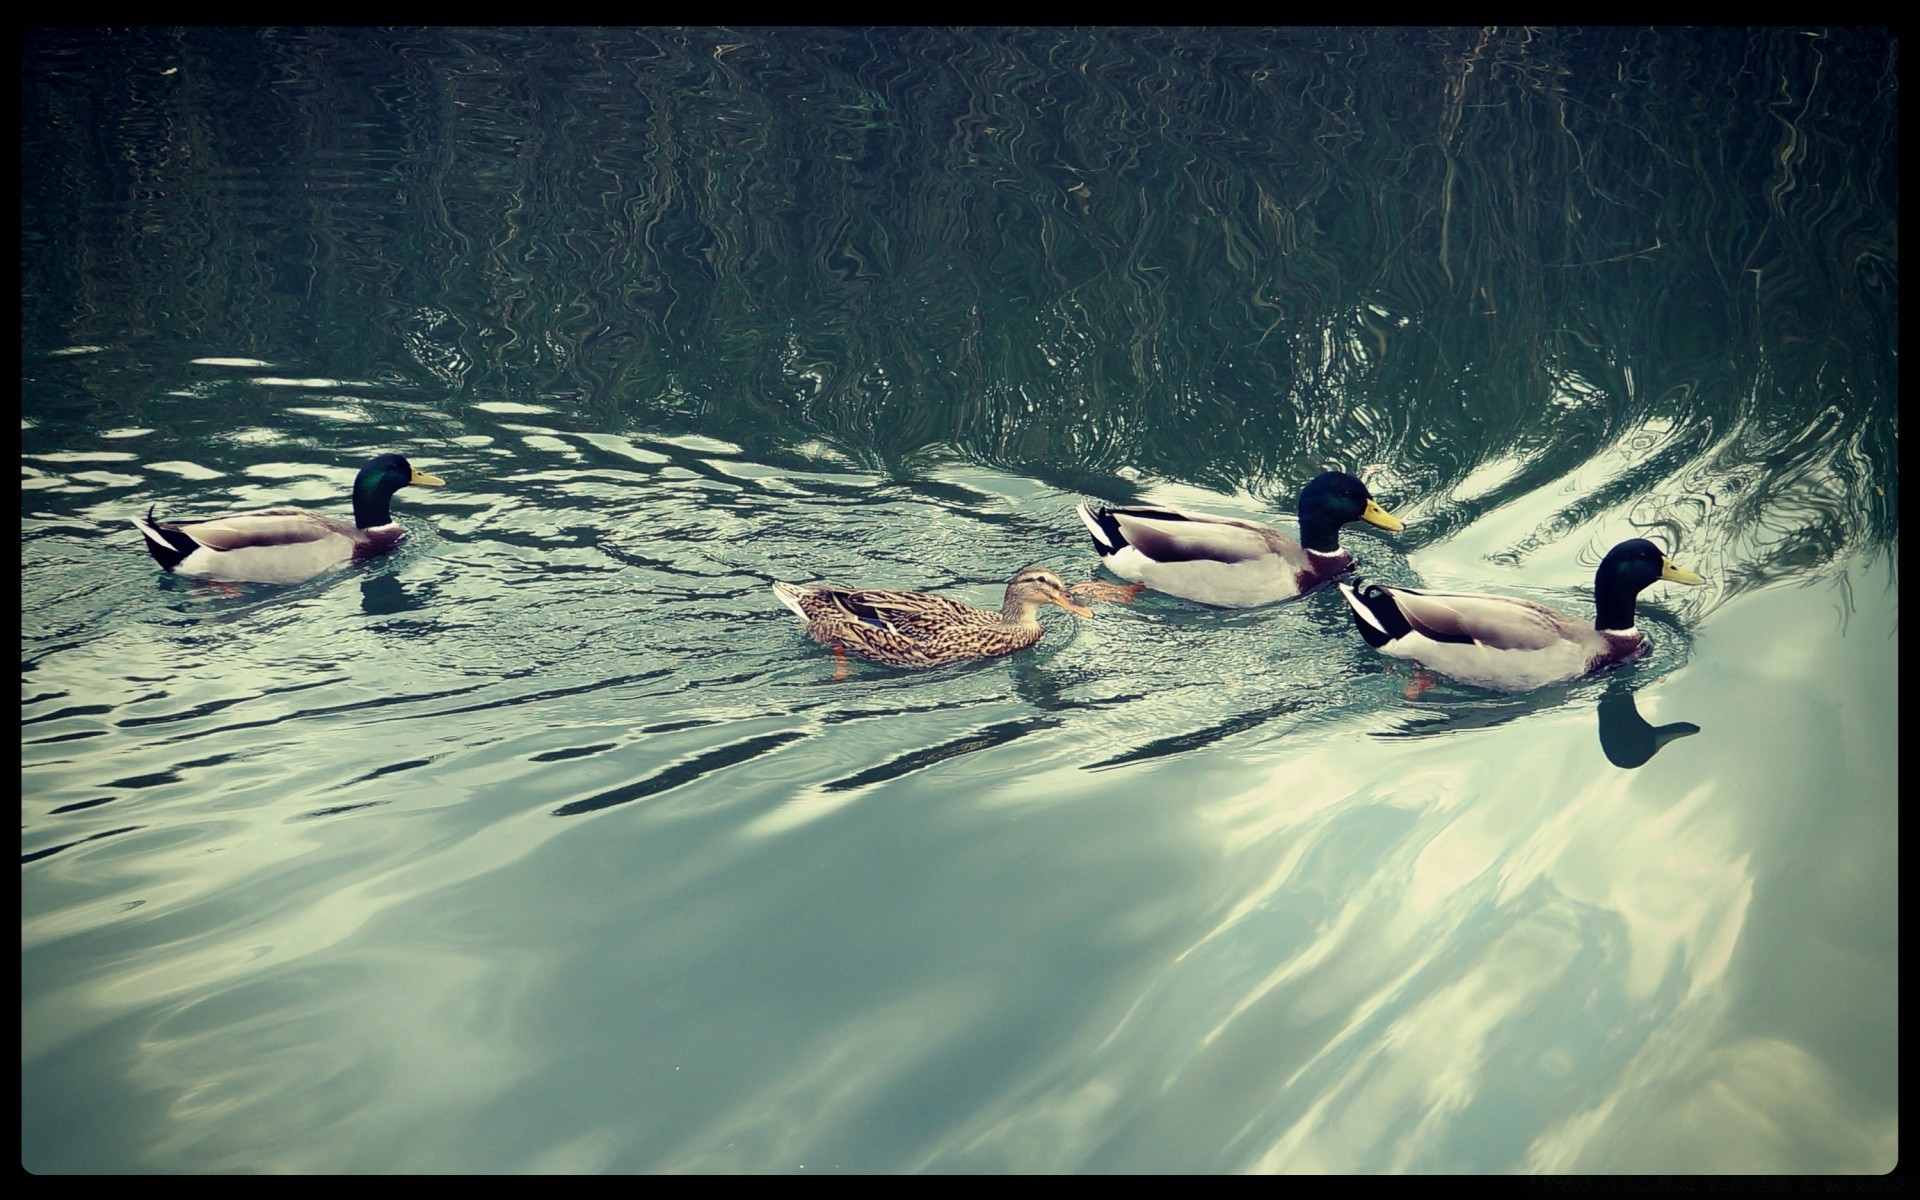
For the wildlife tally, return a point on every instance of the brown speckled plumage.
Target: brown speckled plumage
(914, 629)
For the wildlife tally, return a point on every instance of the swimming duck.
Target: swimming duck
(1513, 645)
(286, 545)
(1232, 563)
(914, 629)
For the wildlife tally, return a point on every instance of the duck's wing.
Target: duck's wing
(263, 528)
(1496, 622)
(1167, 535)
(903, 613)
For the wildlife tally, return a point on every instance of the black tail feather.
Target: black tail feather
(1384, 610)
(1103, 517)
(173, 550)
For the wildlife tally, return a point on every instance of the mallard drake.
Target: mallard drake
(914, 629)
(286, 545)
(1513, 645)
(1232, 563)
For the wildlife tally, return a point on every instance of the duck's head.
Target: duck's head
(391, 472)
(377, 483)
(1333, 499)
(1627, 570)
(1035, 585)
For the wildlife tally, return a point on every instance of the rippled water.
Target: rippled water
(550, 843)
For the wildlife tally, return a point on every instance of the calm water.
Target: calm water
(549, 843)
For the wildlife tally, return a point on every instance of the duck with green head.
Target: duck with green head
(286, 545)
(1512, 645)
(1231, 563)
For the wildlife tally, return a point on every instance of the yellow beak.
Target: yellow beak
(1375, 515)
(1678, 574)
(425, 480)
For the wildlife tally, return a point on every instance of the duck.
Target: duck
(1230, 563)
(286, 545)
(1510, 645)
(917, 630)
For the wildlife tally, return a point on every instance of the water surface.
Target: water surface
(550, 843)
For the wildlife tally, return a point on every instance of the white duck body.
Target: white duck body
(270, 545)
(1217, 560)
(1229, 562)
(1497, 642)
(1513, 645)
(286, 545)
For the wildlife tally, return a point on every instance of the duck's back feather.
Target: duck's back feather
(902, 629)
(1496, 622)
(1169, 536)
(262, 528)
(908, 614)
(1222, 561)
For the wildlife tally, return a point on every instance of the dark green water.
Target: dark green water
(549, 843)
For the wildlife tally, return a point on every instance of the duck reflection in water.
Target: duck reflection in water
(1625, 737)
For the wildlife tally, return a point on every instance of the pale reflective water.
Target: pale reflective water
(549, 843)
